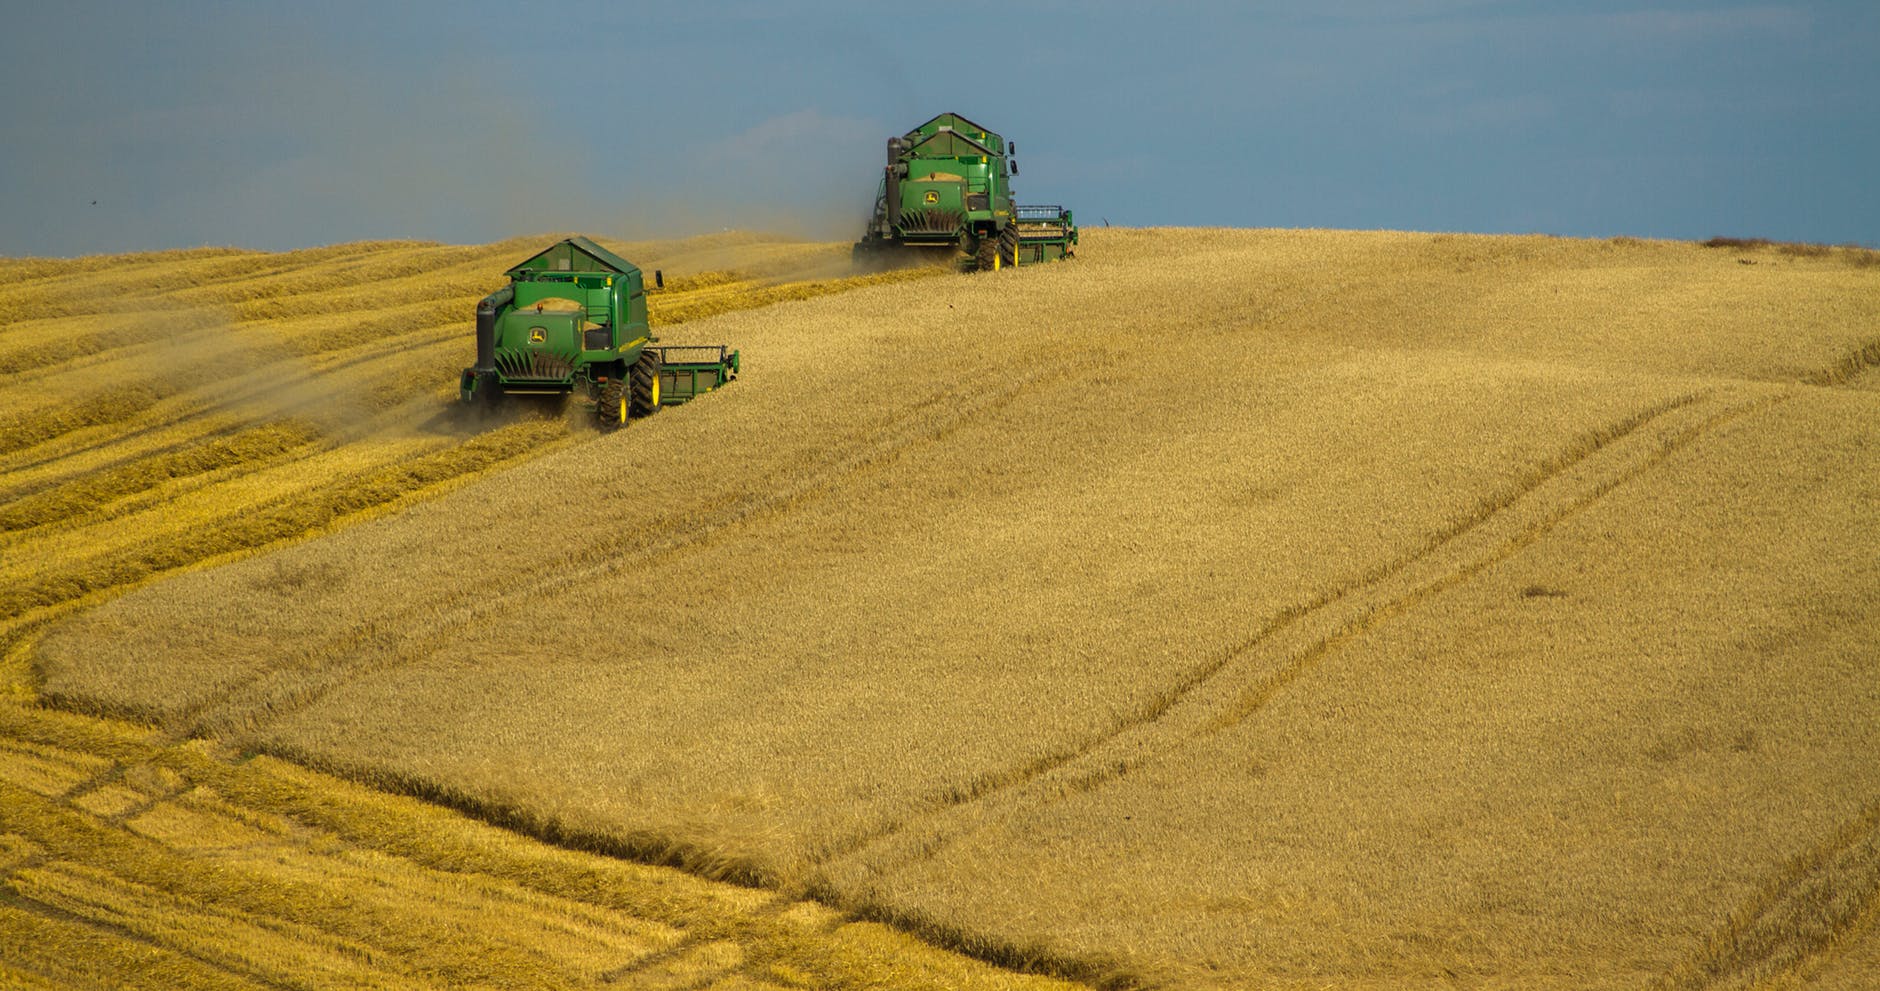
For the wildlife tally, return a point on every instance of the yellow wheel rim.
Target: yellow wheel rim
(655, 390)
(623, 406)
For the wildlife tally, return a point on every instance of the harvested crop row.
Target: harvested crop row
(248, 527)
(200, 357)
(128, 859)
(92, 491)
(67, 456)
(118, 872)
(934, 556)
(376, 380)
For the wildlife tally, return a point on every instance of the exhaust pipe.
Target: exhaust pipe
(479, 380)
(486, 329)
(486, 338)
(894, 185)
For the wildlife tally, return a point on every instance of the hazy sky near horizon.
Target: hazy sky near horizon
(276, 125)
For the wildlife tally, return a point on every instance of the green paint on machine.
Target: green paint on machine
(573, 318)
(947, 187)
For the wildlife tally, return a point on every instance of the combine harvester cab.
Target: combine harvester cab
(947, 189)
(573, 317)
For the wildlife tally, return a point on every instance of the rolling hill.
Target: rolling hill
(1223, 608)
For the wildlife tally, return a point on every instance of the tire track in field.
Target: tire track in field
(69, 801)
(226, 957)
(1850, 367)
(1821, 901)
(381, 370)
(122, 933)
(158, 403)
(175, 415)
(645, 970)
(1525, 532)
(399, 638)
(282, 518)
(1235, 683)
(117, 771)
(750, 938)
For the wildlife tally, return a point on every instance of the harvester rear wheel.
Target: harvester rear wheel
(612, 407)
(1008, 245)
(644, 390)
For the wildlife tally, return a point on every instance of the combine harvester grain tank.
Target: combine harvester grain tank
(947, 188)
(573, 318)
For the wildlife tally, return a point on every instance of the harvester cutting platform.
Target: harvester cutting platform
(574, 317)
(947, 189)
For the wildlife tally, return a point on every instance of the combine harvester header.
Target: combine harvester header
(947, 188)
(574, 317)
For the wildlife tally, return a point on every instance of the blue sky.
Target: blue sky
(280, 125)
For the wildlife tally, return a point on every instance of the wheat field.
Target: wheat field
(1224, 608)
(172, 410)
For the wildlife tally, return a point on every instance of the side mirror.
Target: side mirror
(659, 279)
(1014, 167)
(1012, 149)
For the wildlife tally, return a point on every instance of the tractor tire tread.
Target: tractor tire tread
(644, 374)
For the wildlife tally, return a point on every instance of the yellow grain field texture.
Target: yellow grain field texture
(170, 410)
(1224, 608)
(183, 406)
(132, 860)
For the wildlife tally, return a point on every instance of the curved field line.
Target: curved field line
(111, 490)
(1373, 616)
(48, 433)
(395, 641)
(66, 803)
(1814, 907)
(165, 897)
(372, 386)
(71, 351)
(1849, 367)
(79, 426)
(105, 460)
(1210, 697)
(115, 931)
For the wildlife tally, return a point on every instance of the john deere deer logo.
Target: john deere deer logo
(537, 335)
(933, 197)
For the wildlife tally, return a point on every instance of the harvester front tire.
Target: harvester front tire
(645, 385)
(987, 254)
(612, 407)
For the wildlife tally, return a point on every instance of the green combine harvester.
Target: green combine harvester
(574, 317)
(947, 188)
